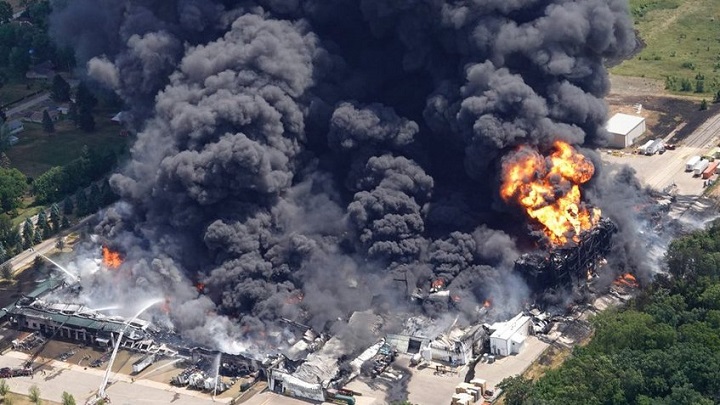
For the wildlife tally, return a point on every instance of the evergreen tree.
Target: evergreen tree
(703, 105)
(65, 224)
(4, 389)
(55, 217)
(67, 399)
(60, 90)
(68, 206)
(6, 271)
(47, 122)
(28, 233)
(3, 254)
(42, 227)
(94, 198)
(34, 395)
(81, 202)
(85, 120)
(14, 241)
(5, 161)
(84, 98)
(38, 236)
(108, 196)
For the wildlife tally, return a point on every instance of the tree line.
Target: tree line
(22, 44)
(662, 348)
(33, 395)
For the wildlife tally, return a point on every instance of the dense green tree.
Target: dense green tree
(5, 161)
(85, 120)
(19, 61)
(6, 270)
(47, 122)
(68, 206)
(84, 98)
(94, 198)
(81, 203)
(28, 233)
(6, 12)
(42, 226)
(703, 105)
(37, 236)
(55, 217)
(67, 399)
(34, 395)
(4, 388)
(48, 186)
(60, 90)
(517, 388)
(13, 185)
(65, 224)
(3, 253)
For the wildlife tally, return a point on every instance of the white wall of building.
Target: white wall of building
(624, 130)
(509, 337)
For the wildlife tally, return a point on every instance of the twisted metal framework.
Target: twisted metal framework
(569, 264)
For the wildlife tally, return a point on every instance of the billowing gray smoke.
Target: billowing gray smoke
(300, 157)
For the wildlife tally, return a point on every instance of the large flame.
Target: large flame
(111, 259)
(549, 189)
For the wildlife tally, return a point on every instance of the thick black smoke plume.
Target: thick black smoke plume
(299, 157)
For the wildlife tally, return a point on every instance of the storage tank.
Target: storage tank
(690, 164)
(710, 170)
(700, 167)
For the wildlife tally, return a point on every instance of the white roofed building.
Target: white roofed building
(509, 337)
(624, 129)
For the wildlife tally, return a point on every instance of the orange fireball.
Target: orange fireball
(548, 188)
(111, 259)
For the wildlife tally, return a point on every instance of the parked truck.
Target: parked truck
(710, 171)
(657, 146)
(700, 167)
(690, 164)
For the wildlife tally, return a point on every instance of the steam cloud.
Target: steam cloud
(297, 156)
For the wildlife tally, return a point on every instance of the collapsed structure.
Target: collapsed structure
(570, 264)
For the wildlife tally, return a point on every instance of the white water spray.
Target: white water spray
(159, 368)
(101, 391)
(74, 277)
(216, 366)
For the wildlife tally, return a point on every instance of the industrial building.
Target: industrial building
(509, 337)
(456, 346)
(624, 129)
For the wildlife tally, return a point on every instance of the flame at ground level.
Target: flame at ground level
(627, 280)
(548, 188)
(111, 259)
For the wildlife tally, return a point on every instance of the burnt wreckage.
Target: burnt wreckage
(567, 265)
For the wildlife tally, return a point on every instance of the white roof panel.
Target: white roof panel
(623, 123)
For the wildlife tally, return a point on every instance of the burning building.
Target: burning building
(547, 188)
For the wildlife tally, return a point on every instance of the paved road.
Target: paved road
(19, 108)
(26, 257)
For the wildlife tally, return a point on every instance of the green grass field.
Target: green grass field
(683, 41)
(38, 151)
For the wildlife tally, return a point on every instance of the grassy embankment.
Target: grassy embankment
(683, 43)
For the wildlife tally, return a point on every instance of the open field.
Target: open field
(682, 40)
(38, 151)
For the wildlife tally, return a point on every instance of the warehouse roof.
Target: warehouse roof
(505, 330)
(623, 123)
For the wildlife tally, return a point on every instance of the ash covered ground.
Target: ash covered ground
(297, 157)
